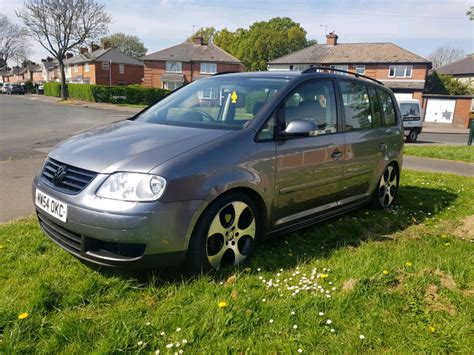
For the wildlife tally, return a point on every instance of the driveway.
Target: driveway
(29, 128)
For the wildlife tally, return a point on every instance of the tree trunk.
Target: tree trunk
(64, 92)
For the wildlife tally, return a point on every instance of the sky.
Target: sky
(419, 26)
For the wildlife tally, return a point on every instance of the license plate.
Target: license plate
(51, 206)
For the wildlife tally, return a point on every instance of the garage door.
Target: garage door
(440, 110)
(403, 96)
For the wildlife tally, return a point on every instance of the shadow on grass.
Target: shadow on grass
(414, 205)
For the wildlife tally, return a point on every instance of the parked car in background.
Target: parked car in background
(4, 87)
(15, 89)
(219, 164)
(40, 89)
(412, 120)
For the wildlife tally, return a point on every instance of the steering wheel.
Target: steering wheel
(207, 116)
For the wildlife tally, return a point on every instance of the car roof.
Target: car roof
(408, 101)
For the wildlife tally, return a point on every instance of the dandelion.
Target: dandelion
(323, 276)
(321, 314)
(221, 304)
(431, 329)
(447, 244)
(295, 326)
(329, 321)
(23, 315)
(361, 337)
(271, 321)
(385, 272)
(408, 264)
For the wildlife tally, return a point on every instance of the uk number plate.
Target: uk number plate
(51, 206)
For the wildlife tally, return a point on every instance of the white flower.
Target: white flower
(300, 350)
(184, 341)
(321, 314)
(140, 343)
(333, 330)
(147, 323)
(178, 345)
(271, 321)
(293, 313)
(157, 351)
(162, 333)
(178, 329)
(361, 337)
(169, 346)
(264, 300)
(259, 269)
(260, 277)
(295, 326)
(180, 351)
(329, 321)
(281, 270)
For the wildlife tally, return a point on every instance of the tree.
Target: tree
(13, 41)
(444, 84)
(128, 44)
(470, 13)
(445, 55)
(263, 41)
(205, 32)
(63, 25)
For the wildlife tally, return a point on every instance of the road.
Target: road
(29, 128)
(31, 125)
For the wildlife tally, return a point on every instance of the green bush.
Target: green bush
(80, 92)
(126, 94)
(30, 87)
(52, 89)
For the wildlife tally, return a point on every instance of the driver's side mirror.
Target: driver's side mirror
(298, 128)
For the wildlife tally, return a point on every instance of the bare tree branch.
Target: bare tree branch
(13, 41)
(63, 25)
(445, 55)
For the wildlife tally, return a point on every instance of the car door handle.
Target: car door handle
(336, 154)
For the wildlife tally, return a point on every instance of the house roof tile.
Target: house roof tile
(188, 51)
(461, 67)
(103, 55)
(345, 53)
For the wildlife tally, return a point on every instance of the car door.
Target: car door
(364, 134)
(309, 169)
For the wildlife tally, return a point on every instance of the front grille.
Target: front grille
(68, 240)
(69, 179)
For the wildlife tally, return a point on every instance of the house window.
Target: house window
(76, 68)
(171, 85)
(121, 68)
(208, 68)
(174, 67)
(207, 94)
(86, 67)
(360, 69)
(400, 71)
(105, 65)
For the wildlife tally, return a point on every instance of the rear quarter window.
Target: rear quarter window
(388, 108)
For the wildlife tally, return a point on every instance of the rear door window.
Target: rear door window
(388, 108)
(357, 110)
(376, 108)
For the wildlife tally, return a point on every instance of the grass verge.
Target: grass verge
(451, 152)
(399, 280)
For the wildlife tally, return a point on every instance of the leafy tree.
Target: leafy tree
(444, 84)
(61, 25)
(128, 44)
(14, 42)
(205, 32)
(263, 41)
(445, 55)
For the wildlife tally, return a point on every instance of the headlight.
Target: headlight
(132, 187)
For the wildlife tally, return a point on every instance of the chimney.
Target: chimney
(331, 39)
(107, 45)
(49, 59)
(83, 50)
(198, 40)
(69, 55)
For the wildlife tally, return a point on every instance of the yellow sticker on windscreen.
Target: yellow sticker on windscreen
(234, 97)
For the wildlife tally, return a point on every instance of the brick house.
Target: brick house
(399, 69)
(104, 66)
(172, 67)
(462, 70)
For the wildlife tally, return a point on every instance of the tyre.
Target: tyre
(412, 136)
(225, 234)
(387, 188)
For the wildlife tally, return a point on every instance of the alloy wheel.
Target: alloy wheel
(231, 235)
(388, 186)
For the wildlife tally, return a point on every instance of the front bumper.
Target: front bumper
(120, 234)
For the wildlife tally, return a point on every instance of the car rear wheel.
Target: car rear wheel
(412, 136)
(225, 235)
(387, 188)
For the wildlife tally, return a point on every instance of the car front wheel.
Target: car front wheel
(225, 234)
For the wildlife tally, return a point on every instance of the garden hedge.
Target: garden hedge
(133, 94)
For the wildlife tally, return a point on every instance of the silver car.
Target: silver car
(218, 165)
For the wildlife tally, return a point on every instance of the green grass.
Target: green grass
(451, 152)
(132, 105)
(425, 305)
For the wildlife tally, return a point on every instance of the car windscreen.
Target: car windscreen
(217, 102)
(410, 110)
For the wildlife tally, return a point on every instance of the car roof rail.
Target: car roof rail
(225, 72)
(317, 69)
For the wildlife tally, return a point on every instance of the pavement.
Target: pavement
(438, 165)
(31, 125)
